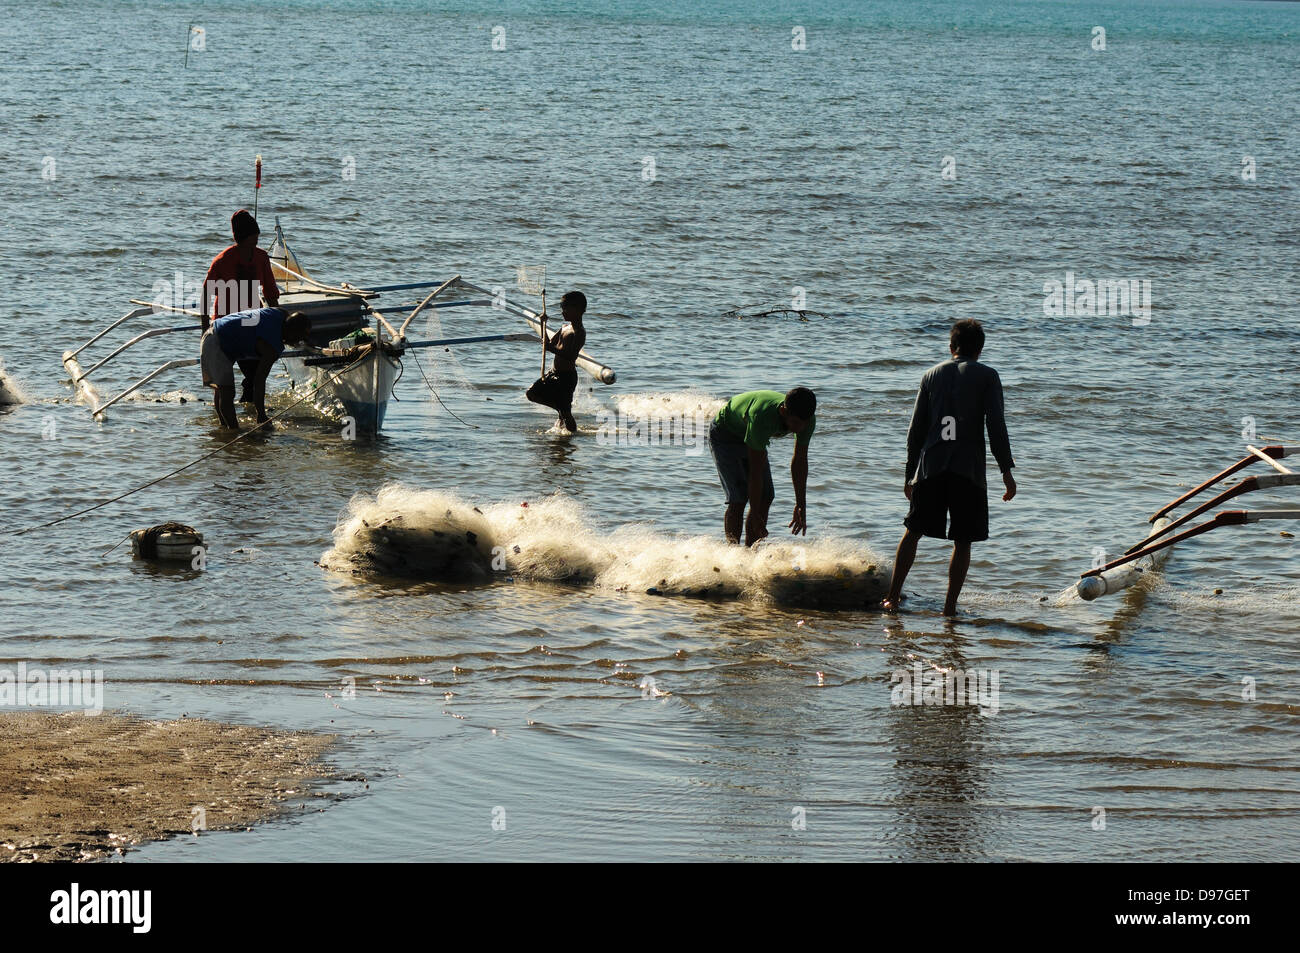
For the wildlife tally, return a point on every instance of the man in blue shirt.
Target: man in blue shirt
(945, 459)
(258, 334)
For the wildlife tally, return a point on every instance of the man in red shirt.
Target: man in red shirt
(233, 277)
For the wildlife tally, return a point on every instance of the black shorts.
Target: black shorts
(948, 494)
(555, 390)
(731, 457)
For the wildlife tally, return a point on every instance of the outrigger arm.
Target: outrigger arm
(80, 378)
(1248, 485)
(1226, 518)
(588, 363)
(599, 371)
(169, 366)
(1273, 452)
(1160, 537)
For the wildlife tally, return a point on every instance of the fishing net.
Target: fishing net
(777, 306)
(441, 369)
(355, 339)
(531, 279)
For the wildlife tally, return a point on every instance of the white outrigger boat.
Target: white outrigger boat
(355, 352)
(1150, 554)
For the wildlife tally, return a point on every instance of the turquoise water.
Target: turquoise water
(774, 169)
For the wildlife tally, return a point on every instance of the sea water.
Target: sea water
(892, 166)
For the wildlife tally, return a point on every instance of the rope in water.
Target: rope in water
(115, 545)
(435, 393)
(167, 476)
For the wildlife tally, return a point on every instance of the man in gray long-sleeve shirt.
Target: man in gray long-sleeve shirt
(945, 460)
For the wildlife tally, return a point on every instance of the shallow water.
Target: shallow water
(608, 724)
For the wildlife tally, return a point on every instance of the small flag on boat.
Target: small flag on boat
(258, 167)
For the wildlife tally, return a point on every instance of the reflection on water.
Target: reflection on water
(940, 771)
(171, 571)
(556, 460)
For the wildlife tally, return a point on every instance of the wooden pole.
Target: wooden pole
(168, 308)
(423, 304)
(543, 332)
(1274, 451)
(1268, 458)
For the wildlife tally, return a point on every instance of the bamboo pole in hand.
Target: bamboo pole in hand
(543, 332)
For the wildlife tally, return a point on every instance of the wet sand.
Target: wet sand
(78, 787)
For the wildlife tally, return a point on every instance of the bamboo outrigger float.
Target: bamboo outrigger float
(354, 355)
(1151, 552)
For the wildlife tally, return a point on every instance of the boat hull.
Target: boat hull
(355, 393)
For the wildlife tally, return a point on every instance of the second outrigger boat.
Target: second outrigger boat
(354, 357)
(1166, 530)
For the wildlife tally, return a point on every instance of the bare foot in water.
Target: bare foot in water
(891, 603)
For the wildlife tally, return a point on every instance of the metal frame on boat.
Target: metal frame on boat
(1151, 552)
(353, 358)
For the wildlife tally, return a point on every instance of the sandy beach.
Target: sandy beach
(75, 787)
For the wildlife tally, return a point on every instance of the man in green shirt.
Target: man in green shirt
(739, 437)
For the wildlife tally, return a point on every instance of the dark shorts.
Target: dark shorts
(555, 390)
(217, 368)
(731, 457)
(948, 494)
